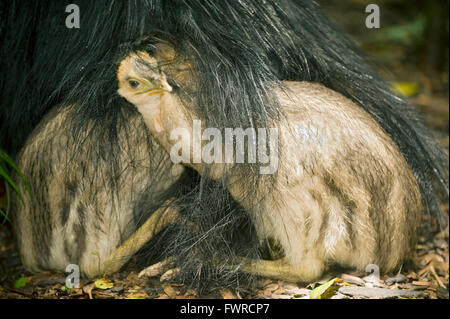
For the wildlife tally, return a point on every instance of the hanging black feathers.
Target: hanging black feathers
(79, 138)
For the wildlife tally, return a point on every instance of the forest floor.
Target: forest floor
(427, 277)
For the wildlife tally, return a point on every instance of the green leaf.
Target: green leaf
(4, 157)
(407, 89)
(326, 290)
(7, 200)
(66, 288)
(6, 164)
(21, 282)
(5, 215)
(103, 284)
(8, 179)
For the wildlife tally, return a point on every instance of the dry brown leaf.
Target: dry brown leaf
(399, 278)
(227, 294)
(367, 292)
(271, 287)
(192, 293)
(280, 291)
(425, 260)
(281, 297)
(170, 291)
(352, 279)
(421, 283)
(412, 275)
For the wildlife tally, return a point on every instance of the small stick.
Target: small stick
(433, 271)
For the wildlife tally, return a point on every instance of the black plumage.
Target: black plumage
(235, 48)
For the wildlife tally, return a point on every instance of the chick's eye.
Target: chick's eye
(133, 84)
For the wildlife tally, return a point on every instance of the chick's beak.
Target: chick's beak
(164, 87)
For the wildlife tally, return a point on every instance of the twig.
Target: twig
(433, 271)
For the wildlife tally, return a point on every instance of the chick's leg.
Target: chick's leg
(159, 220)
(282, 269)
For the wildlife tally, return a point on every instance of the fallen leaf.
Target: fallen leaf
(192, 293)
(117, 289)
(405, 88)
(283, 297)
(379, 292)
(227, 294)
(132, 291)
(140, 295)
(103, 284)
(421, 283)
(272, 286)
(21, 282)
(431, 258)
(170, 291)
(326, 290)
(412, 275)
(400, 278)
(352, 279)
